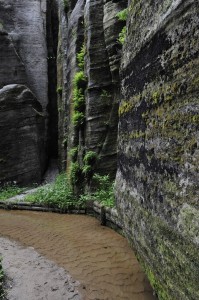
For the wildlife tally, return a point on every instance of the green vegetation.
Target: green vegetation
(122, 15)
(87, 171)
(75, 172)
(122, 36)
(104, 191)
(78, 115)
(79, 80)
(59, 194)
(78, 119)
(89, 160)
(1, 280)
(10, 190)
(80, 57)
(78, 99)
(59, 90)
(157, 286)
(80, 83)
(73, 154)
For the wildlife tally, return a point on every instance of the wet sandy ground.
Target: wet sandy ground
(96, 256)
(29, 276)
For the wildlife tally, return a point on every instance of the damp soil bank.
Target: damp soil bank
(99, 258)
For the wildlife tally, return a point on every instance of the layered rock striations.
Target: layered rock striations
(64, 58)
(157, 183)
(22, 125)
(14, 71)
(25, 22)
(93, 53)
(23, 59)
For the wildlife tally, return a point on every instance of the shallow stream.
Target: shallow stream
(95, 255)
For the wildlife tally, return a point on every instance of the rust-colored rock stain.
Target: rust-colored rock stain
(97, 256)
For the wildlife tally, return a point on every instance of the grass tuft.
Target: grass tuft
(58, 195)
(104, 191)
(10, 190)
(122, 15)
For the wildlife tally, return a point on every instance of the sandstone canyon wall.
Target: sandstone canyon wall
(23, 61)
(157, 183)
(80, 63)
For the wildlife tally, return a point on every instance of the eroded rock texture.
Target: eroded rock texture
(94, 25)
(12, 68)
(25, 21)
(23, 60)
(22, 140)
(157, 178)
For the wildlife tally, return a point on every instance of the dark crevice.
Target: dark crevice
(52, 44)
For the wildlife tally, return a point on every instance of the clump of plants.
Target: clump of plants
(80, 57)
(78, 116)
(122, 16)
(89, 160)
(59, 90)
(1, 280)
(103, 191)
(59, 194)
(73, 154)
(9, 190)
(78, 119)
(122, 36)
(75, 172)
(80, 83)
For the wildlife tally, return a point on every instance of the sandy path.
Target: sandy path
(33, 277)
(95, 255)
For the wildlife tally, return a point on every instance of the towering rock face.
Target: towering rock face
(91, 49)
(15, 71)
(25, 22)
(23, 56)
(22, 125)
(157, 178)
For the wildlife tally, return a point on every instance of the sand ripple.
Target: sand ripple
(96, 256)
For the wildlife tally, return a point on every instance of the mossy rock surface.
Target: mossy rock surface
(157, 179)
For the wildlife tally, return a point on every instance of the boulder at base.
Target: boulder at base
(22, 126)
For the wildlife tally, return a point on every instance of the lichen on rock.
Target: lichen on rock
(157, 177)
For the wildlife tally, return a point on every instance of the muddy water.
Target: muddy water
(97, 256)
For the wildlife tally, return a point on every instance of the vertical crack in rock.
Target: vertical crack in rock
(53, 88)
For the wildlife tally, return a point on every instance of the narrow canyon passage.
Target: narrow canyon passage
(97, 256)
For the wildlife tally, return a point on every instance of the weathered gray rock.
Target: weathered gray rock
(99, 96)
(24, 56)
(52, 25)
(158, 159)
(25, 22)
(94, 24)
(22, 151)
(112, 27)
(12, 69)
(62, 84)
